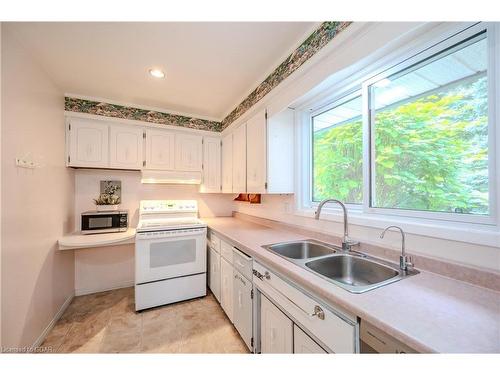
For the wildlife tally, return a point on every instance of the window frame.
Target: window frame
(350, 88)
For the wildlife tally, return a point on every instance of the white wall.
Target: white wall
(106, 268)
(37, 203)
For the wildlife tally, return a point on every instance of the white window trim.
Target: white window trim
(442, 225)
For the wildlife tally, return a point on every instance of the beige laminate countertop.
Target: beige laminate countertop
(78, 240)
(428, 312)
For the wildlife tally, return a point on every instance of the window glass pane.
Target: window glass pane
(430, 133)
(338, 153)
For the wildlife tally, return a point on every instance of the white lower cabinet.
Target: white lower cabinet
(226, 293)
(276, 329)
(303, 344)
(283, 307)
(214, 276)
(242, 307)
(336, 329)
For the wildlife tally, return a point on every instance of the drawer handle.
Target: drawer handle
(318, 311)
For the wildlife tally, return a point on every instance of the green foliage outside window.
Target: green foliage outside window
(431, 154)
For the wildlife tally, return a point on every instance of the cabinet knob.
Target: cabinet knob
(318, 312)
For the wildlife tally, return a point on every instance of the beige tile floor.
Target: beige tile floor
(107, 323)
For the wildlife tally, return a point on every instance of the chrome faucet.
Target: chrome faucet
(347, 244)
(405, 261)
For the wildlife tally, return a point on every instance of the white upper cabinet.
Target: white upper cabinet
(211, 165)
(160, 149)
(118, 145)
(280, 152)
(257, 153)
(258, 156)
(188, 152)
(227, 164)
(240, 159)
(125, 147)
(88, 143)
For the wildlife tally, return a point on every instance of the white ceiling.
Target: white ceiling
(210, 67)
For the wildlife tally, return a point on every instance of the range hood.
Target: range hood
(170, 177)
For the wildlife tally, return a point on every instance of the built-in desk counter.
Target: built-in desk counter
(82, 241)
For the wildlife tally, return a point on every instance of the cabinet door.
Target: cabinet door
(160, 149)
(88, 143)
(240, 160)
(257, 153)
(303, 344)
(188, 152)
(214, 273)
(276, 329)
(125, 147)
(211, 166)
(226, 295)
(227, 164)
(242, 307)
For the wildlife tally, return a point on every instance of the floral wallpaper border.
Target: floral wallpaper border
(317, 40)
(130, 113)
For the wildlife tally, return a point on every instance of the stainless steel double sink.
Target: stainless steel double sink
(355, 272)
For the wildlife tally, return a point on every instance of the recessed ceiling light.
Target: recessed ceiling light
(157, 73)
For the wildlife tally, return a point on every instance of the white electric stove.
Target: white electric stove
(170, 253)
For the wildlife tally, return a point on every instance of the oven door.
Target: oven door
(166, 255)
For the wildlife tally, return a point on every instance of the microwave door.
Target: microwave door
(99, 222)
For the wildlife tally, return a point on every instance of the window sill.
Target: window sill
(478, 234)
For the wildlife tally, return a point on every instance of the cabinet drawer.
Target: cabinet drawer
(337, 331)
(226, 251)
(214, 241)
(242, 263)
(382, 342)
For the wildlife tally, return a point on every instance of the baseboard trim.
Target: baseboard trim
(125, 284)
(53, 322)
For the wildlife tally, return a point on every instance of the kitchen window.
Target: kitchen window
(337, 147)
(417, 140)
(429, 127)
